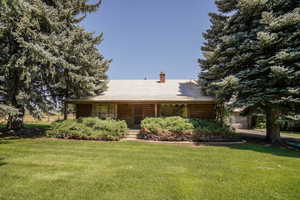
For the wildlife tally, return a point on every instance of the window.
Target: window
(104, 111)
(167, 110)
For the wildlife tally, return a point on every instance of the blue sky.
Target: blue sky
(145, 37)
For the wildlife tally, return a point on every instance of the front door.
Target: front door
(133, 114)
(138, 114)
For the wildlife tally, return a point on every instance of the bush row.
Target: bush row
(181, 129)
(89, 129)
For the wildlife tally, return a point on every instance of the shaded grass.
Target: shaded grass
(35, 130)
(42, 125)
(62, 169)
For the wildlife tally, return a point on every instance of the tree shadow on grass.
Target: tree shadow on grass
(1, 162)
(257, 142)
(4, 141)
(268, 149)
(21, 134)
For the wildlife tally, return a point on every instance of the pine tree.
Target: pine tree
(210, 66)
(84, 73)
(42, 52)
(279, 47)
(257, 57)
(19, 64)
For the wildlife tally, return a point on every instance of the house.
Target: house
(239, 121)
(134, 100)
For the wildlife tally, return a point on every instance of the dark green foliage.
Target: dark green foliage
(290, 123)
(173, 124)
(260, 122)
(181, 129)
(209, 127)
(89, 129)
(46, 57)
(251, 58)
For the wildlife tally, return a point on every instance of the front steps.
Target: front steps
(132, 134)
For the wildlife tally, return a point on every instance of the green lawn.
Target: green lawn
(290, 133)
(285, 133)
(69, 170)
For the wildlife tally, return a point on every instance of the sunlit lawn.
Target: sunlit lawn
(59, 169)
(290, 133)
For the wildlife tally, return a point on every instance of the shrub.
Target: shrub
(174, 124)
(260, 122)
(207, 129)
(89, 129)
(180, 129)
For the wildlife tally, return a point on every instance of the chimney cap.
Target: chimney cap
(162, 77)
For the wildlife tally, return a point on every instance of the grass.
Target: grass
(59, 169)
(43, 125)
(290, 133)
(286, 133)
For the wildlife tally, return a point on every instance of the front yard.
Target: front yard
(60, 169)
(282, 133)
(290, 133)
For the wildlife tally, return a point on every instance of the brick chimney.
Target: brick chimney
(162, 77)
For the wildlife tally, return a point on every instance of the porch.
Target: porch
(134, 113)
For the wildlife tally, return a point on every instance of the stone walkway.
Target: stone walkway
(132, 135)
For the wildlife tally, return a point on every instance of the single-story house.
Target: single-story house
(134, 100)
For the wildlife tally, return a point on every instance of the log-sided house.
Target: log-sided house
(134, 100)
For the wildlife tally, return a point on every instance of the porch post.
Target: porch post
(186, 110)
(116, 111)
(155, 110)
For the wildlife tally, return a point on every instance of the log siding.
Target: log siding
(133, 113)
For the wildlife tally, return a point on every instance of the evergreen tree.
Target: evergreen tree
(278, 45)
(255, 62)
(19, 43)
(84, 73)
(42, 55)
(210, 66)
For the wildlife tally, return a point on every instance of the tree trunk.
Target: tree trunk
(66, 94)
(273, 126)
(220, 113)
(65, 111)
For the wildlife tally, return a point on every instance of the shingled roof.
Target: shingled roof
(150, 90)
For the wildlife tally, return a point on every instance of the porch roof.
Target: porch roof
(149, 90)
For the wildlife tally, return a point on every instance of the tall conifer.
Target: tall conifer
(255, 64)
(45, 56)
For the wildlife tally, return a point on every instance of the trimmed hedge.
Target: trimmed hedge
(89, 129)
(181, 129)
